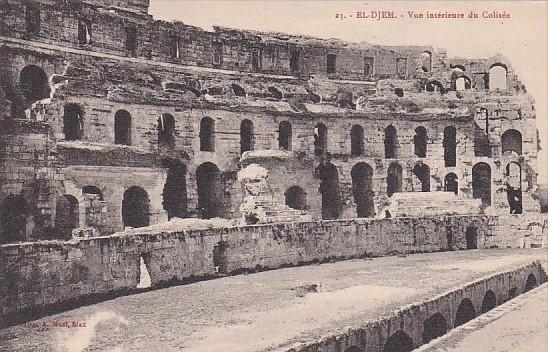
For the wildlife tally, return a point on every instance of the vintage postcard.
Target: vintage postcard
(282, 176)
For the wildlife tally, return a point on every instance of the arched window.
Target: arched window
(135, 207)
(497, 77)
(426, 61)
(175, 194)
(246, 136)
(362, 188)
(320, 139)
(66, 216)
(295, 197)
(465, 312)
(356, 140)
(394, 179)
(435, 87)
(166, 131)
(285, 135)
(329, 189)
(422, 171)
(450, 146)
(511, 142)
(390, 141)
(513, 188)
(481, 183)
(420, 142)
(462, 83)
(14, 211)
(32, 18)
(122, 128)
(210, 191)
(451, 183)
(84, 31)
(34, 83)
(207, 135)
(72, 122)
(482, 145)
(131, 38)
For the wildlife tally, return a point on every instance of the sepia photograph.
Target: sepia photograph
(273, 176)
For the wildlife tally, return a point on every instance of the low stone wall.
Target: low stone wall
(519, 231)
(410, 321)
(40, 277)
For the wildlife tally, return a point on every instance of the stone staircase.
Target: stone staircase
(417, 204)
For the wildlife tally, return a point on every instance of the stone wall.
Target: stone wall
(40, 276)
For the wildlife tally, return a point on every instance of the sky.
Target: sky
(523, 37)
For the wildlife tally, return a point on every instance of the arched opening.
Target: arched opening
(465, 312)
(166, 131)
(398, 342)
(426, 58)
(353, 349)
(135, 207)
(143, 279)
(66, 216)
(131, 38)
(513, 188)
(451, 183)
(368, 66)
(34, 83)
(531, 283)
(511, 142)
(294, 61)
(497, 77)
(420, 142)
(246, 136)
(210, 191)
(72, 122)
(207, 135)
(482, 145)
(284, 135)
(295, 197)
(174, 194)
(14, 211)
(471, 238)
(331, 63)
(462, 83)
(320, 139)
(489, 302)
(93, 190)
(434, 87)
(362, 175)
(481, 183)
(276, 93)
(422, 171)
(84, 31)
(32, 18)
(238, 91)
(329, 189)
(390, 140)
(450, 146)
(434, 327)
(356, 140)
(394, 179)
(122, 127)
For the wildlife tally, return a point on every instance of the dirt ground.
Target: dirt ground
(261, 311)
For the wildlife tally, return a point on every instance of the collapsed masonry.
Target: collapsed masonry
(99, 136)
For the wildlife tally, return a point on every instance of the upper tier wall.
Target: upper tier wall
(129, 33)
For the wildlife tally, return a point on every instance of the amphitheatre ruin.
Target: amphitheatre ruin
(137, 154)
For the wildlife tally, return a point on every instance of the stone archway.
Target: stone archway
(362, 188)
(135, 207)
(210, 190)
(465, 312)
(329, 189)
